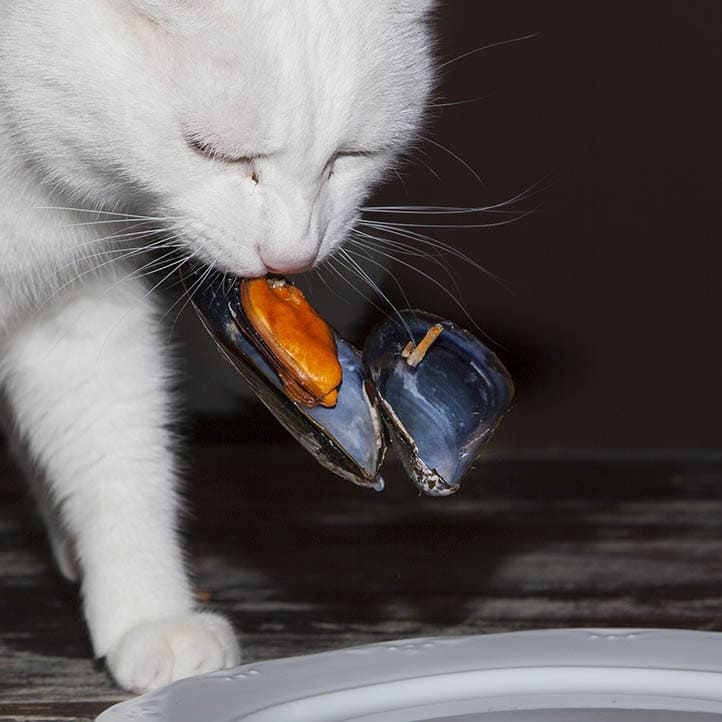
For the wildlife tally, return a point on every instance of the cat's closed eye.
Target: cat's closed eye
(209, 151)
(343, 155)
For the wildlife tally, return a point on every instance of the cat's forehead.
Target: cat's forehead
(285, 78)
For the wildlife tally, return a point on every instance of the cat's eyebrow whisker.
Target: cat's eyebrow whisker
(412, 157)
(453, 103)
(455, 156)
(488, 46)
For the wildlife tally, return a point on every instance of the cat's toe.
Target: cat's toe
(153, 654)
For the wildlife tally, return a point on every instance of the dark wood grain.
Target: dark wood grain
(303, 562)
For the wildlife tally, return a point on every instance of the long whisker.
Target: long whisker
(376, 288)
(97, 267)
(110, 255)
(383, 244)
(150, 267)
(122, 236)
(432, 210)
(454, 155)
(401, 247)
(435, 243)
(175, 268)
(188, 294)
(104, 213)
(453, 103)
(495, 224)
(437, 283)
(500, 207)
(497, 44)
(164, 242)
(318, 270)
(329, 264)
(365, 255)
(130, 250)
(534, 189)
(111, 221)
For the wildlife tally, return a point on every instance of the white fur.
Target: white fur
(297, 107)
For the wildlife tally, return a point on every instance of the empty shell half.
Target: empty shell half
(441, 392)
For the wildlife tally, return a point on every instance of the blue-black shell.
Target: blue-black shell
(347, 439)
(442, 411)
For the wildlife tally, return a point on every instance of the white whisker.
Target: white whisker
(495, 224)
(175, 268)
(187, 293)
(434, 243)
(329, 264)
(104, 213)
(364, 276)
(457, 301)
(454, 155)
(497, 44)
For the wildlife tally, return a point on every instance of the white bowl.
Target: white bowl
(565, 675)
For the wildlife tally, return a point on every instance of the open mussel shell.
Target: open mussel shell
(347, 439)
(441, 411)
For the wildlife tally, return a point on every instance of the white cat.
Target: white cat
(248, 131)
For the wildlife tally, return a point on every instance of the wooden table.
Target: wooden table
(303, 562)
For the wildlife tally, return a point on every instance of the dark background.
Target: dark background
(609, 314)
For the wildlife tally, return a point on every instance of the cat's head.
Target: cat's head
(257, 127)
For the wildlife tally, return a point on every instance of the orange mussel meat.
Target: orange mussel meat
(295, 339)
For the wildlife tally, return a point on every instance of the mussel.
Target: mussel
(349, 438)
(424, 382)
(293, 338)
(441, 391)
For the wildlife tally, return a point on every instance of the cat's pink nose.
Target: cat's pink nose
(287, 270)
(298, 263)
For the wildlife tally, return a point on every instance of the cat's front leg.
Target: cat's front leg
(88, 383)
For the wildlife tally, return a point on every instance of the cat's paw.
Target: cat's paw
(156, 653)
